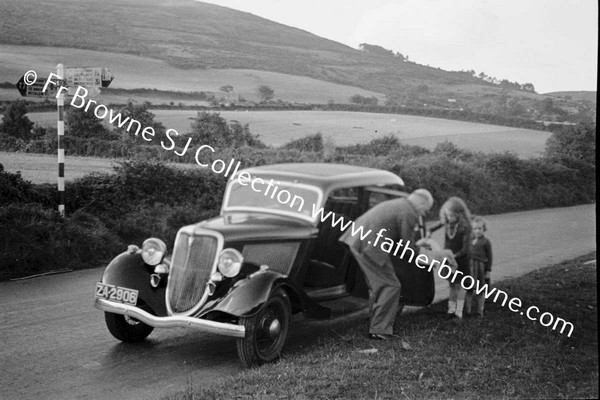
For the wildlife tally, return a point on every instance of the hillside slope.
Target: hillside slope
(189, 34)
(190, 46)
(167, 83)
(582, 95)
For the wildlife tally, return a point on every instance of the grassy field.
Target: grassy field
(43, 168)
(503, 355)
(278, 127)
(132, 72)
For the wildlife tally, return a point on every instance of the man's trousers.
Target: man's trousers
(384, 293)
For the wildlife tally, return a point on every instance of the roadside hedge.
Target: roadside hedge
(105, 212)
(35, 239)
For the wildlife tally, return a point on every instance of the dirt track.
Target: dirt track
(55, 344)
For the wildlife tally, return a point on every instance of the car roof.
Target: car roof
(325, 175)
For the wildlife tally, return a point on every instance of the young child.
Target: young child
(456, 218)
(481, 264)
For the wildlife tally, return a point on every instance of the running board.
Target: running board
(329, 293)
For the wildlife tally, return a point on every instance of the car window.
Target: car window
(276, 196)
(349, 202)
(347, 194)
(377, 194)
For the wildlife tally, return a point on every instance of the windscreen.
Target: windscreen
(273, 196)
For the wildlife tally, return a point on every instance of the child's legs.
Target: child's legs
(452, 298)
(469, 294)
(456, 298)
(453, 291)
(479, 268)
(459, 295)
(458, 290)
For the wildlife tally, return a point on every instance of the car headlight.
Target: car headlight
(230, 262)
(153, 251)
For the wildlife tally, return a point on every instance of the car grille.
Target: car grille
(193, 259)
(278, 256)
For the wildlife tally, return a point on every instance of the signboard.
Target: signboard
(36, 89)
(88, 76)
(91, 90)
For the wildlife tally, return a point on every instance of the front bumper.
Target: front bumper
(203, 325)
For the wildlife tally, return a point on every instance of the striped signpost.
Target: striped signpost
(92, 78)
(60, 126)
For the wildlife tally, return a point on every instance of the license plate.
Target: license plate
(116, 293)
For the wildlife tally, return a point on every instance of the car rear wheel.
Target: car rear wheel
(266, 331)
(127, 329)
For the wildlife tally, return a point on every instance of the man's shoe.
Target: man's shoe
(383, 336)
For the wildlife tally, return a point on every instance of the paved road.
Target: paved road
(55, 344)
(528, 240)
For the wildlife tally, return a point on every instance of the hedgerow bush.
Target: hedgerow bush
(445, 177)
(35, 239)
(89, 147)
(307, 143)
(104, 213)
(142, 198)
(147, 198)
(159, 220)
(377, 147)
(17, 190)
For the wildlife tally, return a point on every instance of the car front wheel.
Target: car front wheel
(127, 329)
(266, 331)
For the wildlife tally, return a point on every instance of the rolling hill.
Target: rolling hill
(172, 84)
(190, 46)
(582, 95)
(188, 34)
(194, 35)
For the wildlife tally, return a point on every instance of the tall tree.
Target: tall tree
(576, 142)
(265, 93)
(84, 124)
(212, 129)
(528, 87)
(142, 114)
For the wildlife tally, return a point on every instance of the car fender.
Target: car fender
(128, 270)
(247, 295)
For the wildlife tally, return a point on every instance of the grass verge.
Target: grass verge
(503, 355)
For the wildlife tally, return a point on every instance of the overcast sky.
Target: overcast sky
(550, 43)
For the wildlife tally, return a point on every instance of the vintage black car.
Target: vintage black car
(267, 256)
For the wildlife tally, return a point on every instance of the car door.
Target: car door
(329, 263)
